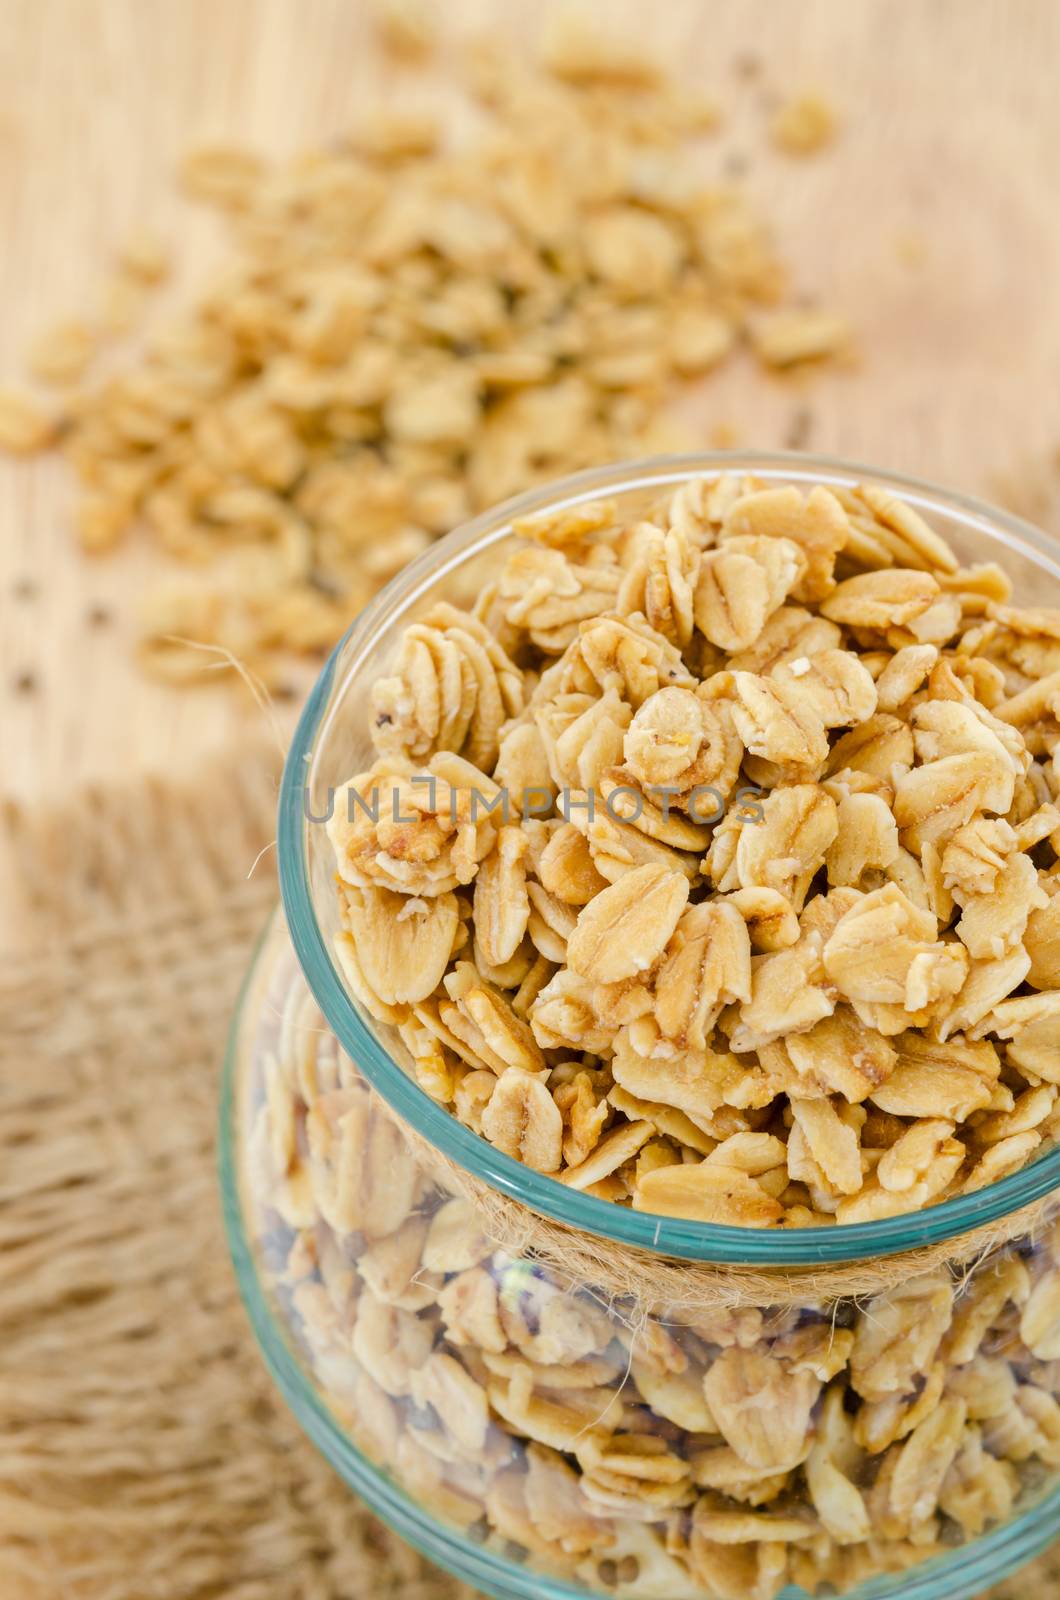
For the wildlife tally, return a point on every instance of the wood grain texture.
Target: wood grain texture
(952, 124)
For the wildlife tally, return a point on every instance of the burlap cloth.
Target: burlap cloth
(143, 1452)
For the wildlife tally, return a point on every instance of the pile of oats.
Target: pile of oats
(413, 327)
(721, 1453)
(711, 864)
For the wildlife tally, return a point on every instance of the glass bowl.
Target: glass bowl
(336, 1166)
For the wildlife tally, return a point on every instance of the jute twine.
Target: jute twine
(146, 1454)
(652, 1284)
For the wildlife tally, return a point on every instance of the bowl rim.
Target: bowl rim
(962, 1572)
(667, 1236)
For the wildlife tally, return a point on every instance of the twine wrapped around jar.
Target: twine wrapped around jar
(661, 1285)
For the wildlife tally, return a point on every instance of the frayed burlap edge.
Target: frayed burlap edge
(146, 1455)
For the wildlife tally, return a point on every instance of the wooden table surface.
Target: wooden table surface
(934, 222)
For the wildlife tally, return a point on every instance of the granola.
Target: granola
(721, 1454)
(427, 316)
(698, 829)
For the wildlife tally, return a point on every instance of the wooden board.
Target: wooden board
(934, 221)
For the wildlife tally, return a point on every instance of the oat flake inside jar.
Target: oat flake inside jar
(797, 1330)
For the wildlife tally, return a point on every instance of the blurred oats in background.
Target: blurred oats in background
(295, 297)
(413, 323)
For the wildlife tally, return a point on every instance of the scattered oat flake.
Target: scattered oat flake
(407, 28)
(25, 427)
(804, 124)
(577, 48)
(144, 254)
(788, 338)
(62, 353)
(223, 174)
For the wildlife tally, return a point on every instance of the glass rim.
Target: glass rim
(967, 1569)
(721, 1243)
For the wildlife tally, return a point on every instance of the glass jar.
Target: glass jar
(745, 1429)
